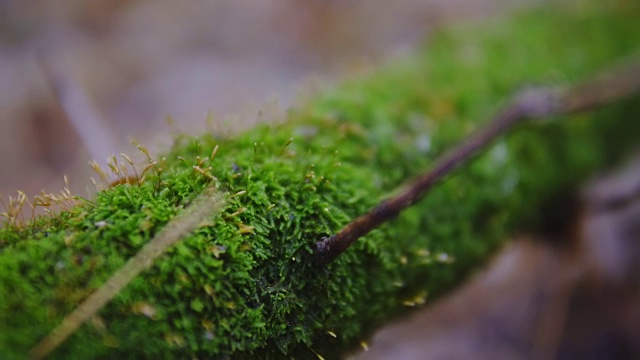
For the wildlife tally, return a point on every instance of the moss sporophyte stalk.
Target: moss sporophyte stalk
(240, 284)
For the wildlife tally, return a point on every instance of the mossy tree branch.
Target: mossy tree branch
(246, 287)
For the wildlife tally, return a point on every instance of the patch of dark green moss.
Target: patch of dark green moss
(243, 286)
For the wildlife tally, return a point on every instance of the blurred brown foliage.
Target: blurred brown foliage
(138, 61)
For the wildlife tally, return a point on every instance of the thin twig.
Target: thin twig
(608, 87)
(207, 205)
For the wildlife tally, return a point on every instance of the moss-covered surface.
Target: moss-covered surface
(243, 287)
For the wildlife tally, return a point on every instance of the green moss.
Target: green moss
(227, 291)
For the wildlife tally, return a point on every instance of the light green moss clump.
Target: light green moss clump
(243, 285)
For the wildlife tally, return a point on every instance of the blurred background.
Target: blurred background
(136, 62)
(124, 66)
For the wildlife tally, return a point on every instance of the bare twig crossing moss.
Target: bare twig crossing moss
(609, 87)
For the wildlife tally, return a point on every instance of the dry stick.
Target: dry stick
(609, 87)
(204, 207)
